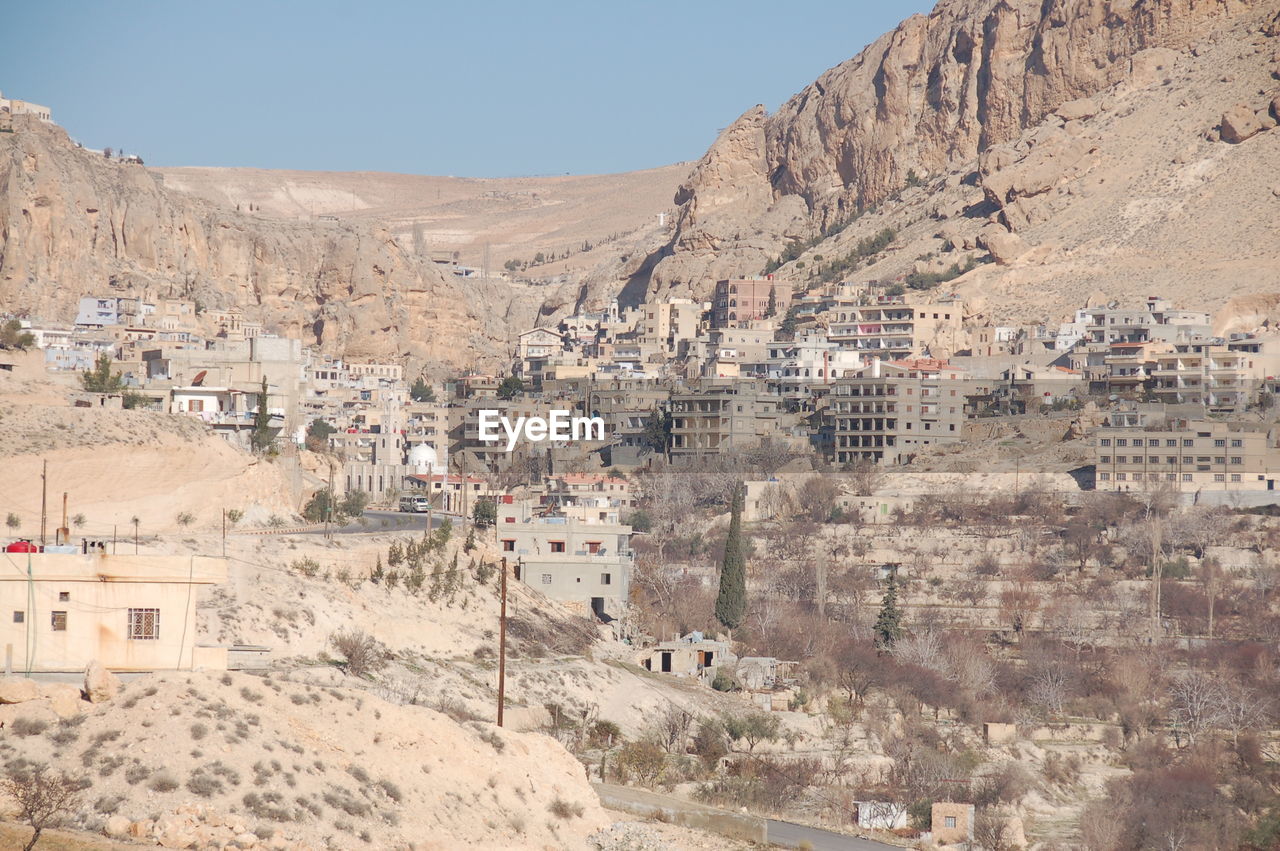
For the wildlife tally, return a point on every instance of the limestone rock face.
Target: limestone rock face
(934, 93)
(1004, 246)
(73, 223)
(17, 690)
(1239, 123)
(100, 684)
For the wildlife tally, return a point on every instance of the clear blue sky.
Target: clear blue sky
(478, 89)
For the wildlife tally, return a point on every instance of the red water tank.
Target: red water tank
(23, 546)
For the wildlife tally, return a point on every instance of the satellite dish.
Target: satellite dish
(195, 382)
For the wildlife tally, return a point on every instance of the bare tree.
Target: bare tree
(1197, 702)
(43, 797)
(363, 653)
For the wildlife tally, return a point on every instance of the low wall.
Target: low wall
(676, 811)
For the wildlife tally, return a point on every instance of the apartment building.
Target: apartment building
(13, 106)
(807, 366)
(576, 560)
(888, 410)
(738, 301)
(1135, 451)
(665, 324)
(890, 328)
(1222, 375)
(721, 418)
(1155, 319)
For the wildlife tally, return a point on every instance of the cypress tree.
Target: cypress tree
(261, 437)
(731, 603)
(889, 621)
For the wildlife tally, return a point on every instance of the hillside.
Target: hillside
(1089, 131)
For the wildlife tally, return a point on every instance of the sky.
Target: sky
(491, 89)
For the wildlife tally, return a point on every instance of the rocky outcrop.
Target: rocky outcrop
(922, 100)
(17, 690)
(1239, 123)
(73, 223)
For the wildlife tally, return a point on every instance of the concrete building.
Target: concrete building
(1135, 452)
(693, 655)
(952, 823)
(587, 564)
(130, 612)
(807, 366)
(666, 323)
(890, 328)
(1222, 375)
(721, 418)
(888, 410)
(741, 300)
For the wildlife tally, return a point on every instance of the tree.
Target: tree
(657, 431)
(753, 728)
(101, 379)
(817, 497)
(353, 504)
(43, 798)
(888, 627)
(13, 337)
(262, 437)
(485, 512)
(363, 653)
(421, 391)
(731, 603)
(318, 435)
(13, 521)
(510, 387)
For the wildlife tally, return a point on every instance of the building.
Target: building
(722, 418)
(1134, 452)
(693, 655)
(1221, 375)
(890, 328)
(951, 823)
(887, 411)
(11, 106)
(665, 324)
(130, 612)
(738, 301)
(807, 366)
(566, 558)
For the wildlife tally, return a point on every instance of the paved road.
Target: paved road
(790, 835)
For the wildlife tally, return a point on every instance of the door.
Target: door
(666, 663)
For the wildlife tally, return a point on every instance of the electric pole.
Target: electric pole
(502, 645)
(44, 500)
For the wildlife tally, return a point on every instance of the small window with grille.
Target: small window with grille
(144, 624)
(59, 621)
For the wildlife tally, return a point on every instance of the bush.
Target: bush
(163, 782)
(186, 518)
(642, 762)
(363, 653)
(28, 726)
(561, 808)
(724, 681)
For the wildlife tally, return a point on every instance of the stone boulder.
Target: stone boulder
(64, 698)
(100, 684)
(17, 690)
(117, 826)
(1073, 110)
(1275, 107)
(1238, 124)
(1004, 246)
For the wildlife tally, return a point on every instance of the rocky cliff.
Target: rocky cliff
(923, 101)
(73, 223)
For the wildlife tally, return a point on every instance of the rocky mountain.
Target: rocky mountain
(1032, 120)
(74, 223)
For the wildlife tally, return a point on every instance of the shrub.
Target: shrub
(306, 566)
(724, 681)
(198, 731)
(563, 809)
(642, 762)
(163, 782)
(28, 726)
(136, 773)
(363, 654)
(186, 518)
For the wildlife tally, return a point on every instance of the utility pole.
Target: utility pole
(114, 527)
(224, 533)
(502, 645)
(328, 508)
(44, 500)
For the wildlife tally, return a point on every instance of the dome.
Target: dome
(423, 458)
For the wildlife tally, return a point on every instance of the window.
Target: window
(64, 596)
(1122, 441)
(144, 624)
(19, 617)
(1106, 477)
(508, 545)
(1105, 459)
(1120, 477)
(949, 821)
(606, 579)
(1188, 442)
(1219, 443)
(58, 621)
(1106, 441)
(1236, 459)
(1171, 443)
(1122, 459)
(557, 546)
(1235, 477)
(1186, 477)
(593, 547)
(1219, 477)
(1237, 443)
(1154, 459)
(546, 579)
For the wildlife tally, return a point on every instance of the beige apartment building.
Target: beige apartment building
(665, 324)
(1222, 375)
(1186, 456)
(890, 328)
(888, 410)
(59, 611)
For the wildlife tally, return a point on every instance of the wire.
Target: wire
(186, 614)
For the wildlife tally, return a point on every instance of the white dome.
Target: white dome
(423, 458)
